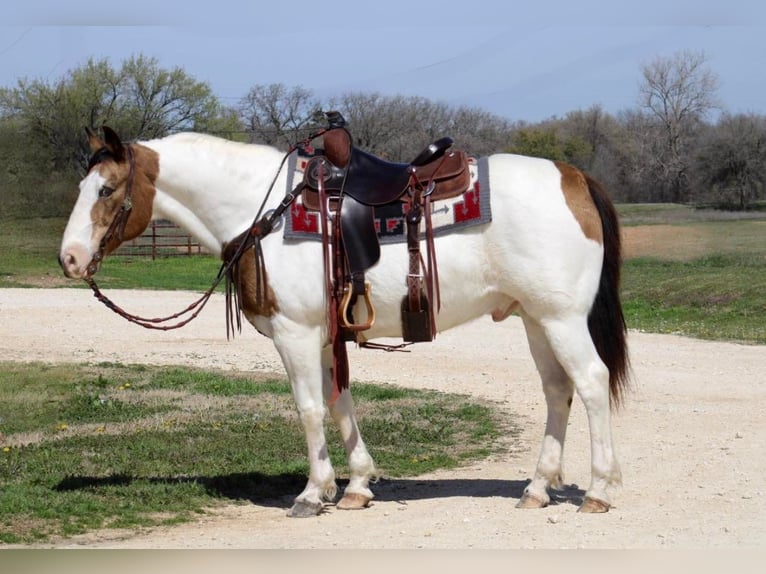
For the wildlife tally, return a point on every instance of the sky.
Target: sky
(523, 61)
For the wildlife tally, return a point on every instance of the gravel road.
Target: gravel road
(691, 438)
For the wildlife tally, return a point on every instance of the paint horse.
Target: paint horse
(551, 254)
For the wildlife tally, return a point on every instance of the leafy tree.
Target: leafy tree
(544, 141)
(140, 100)
(29, 184)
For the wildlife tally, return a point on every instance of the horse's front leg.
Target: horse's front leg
(361, 466)
(300, 348)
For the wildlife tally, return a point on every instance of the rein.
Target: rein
(260, 228)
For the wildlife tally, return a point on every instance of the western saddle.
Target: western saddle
(345, 184)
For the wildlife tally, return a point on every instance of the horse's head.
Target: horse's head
(114, 205)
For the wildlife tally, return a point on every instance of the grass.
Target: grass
(111, 446)
(721, 297)
(699, 273)
(676, 213)
(30, 248)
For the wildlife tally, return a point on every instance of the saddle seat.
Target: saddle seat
(373, 181)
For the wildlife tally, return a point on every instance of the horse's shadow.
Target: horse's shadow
(280, 490)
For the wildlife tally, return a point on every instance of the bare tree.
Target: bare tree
(625, 161)
(732, 161)
(678, 93)
(277, 115)
(479, 132)
(399, 127)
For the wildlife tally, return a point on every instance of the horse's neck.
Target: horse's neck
(211, 187)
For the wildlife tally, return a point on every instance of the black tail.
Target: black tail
(606, 322)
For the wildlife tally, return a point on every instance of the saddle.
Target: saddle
(345, 185)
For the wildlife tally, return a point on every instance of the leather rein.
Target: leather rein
(260, 227)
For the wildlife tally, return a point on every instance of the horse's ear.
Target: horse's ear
(113, 143)
(95, 142)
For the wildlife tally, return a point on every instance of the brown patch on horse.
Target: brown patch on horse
(115, 171)
(578, 197)
(248, 288)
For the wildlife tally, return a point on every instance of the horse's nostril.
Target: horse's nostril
(68, 263)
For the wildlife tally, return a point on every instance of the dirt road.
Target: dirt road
(691, 439)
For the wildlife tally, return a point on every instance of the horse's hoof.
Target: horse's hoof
(594, 506)
(304, 509)
(353, 501)
(531, 501)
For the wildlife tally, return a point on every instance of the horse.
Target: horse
(551, 254)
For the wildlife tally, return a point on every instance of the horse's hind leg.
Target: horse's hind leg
(573, 347)
(361, 466)
(558, 390)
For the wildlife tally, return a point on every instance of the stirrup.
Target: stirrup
(355, 327)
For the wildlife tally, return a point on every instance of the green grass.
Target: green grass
(110, 446)
(712, 297)
(676, 213)
(30, 249)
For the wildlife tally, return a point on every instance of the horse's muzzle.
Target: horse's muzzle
(74, 261)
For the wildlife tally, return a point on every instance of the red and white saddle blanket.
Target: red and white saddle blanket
(469, 209)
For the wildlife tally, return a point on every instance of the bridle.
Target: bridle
(261, 226)
(118, 227)
(121, 218)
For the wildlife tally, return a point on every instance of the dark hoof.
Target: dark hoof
(304, 509)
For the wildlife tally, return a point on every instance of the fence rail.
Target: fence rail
(161, 239)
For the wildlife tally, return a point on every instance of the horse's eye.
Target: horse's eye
(105, 191)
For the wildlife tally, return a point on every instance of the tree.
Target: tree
(479, 132)
(544, 141)
(140, 100)
(678, 93)
(732, 163)
(279, 116)
(382, 125)
(587, 130)
(399, 127)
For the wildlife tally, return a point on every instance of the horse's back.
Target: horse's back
(534, 252)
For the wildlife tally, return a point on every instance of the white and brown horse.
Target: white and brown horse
(551, 254)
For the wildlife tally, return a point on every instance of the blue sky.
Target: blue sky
(523, 61)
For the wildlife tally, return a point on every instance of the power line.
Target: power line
(16, 41)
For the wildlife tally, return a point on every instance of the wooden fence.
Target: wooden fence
(161, 239)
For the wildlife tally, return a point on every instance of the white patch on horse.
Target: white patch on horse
(78, 235)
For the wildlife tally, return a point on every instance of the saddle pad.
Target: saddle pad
(469, 209)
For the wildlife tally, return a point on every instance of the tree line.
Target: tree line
(666, 148)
